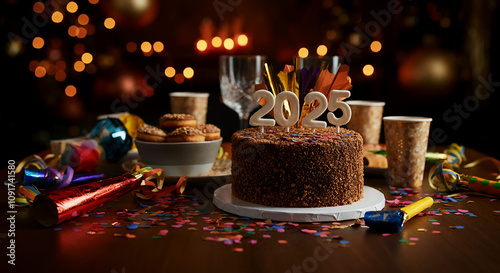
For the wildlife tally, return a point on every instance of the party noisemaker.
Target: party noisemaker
(442, 177)
(393, 220)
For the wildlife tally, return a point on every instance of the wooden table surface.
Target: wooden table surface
(465, 242)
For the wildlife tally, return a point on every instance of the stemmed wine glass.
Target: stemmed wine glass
(238, 76)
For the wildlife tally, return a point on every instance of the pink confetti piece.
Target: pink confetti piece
(208, 228)
(266, 236)
(228, 242)
(281, 230)
(163, 232)
(436, 223)
(176, 226)
(414, 239)
(463, 210)
(253, 241)
(386, 234)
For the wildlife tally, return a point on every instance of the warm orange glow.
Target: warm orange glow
(79, 66)
(83, 19)
(82, 32)
(131, 47)
(188, 72)
(376, 46)
(73, 31)
(70, 91)
(93, 1)
(303, 52)
(38, 7)
(321, 50)
(228, 44)
(60, 65)
(146, 46)
(242, 40)
(368, 70)
(87, 58)
(72, 7)
(38, 42)
(170, 72)
(60, 75)
(79, 48)
(158, 47)
(40, 72)
(179, 78)
(201, 45)
(57, 17)
(33, 65)
(109, 23)
(216, 42)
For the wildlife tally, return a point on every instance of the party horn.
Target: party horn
(392, 221)
(442, 177)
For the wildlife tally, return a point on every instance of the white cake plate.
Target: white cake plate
(373, 200)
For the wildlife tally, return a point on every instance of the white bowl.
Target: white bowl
(179, 158)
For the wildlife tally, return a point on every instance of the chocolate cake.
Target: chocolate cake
(297, 168)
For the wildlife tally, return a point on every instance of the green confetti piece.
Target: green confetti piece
(433, 220)
(403, 241)
(156, 237)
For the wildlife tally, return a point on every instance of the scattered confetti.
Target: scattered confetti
(282, 242)
(238, 249)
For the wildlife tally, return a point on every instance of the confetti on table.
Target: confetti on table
(130, 236)
(266, 236)
(436, 232)
(163, 232)
(58, 229)
(238, 249)
(386, 234)
(132, 226)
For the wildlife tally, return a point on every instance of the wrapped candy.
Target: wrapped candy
(442, 177)
(113, 137)
(60, 205)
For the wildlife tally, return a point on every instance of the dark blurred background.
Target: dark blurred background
(66, 62)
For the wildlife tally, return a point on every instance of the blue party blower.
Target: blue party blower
(392, 221)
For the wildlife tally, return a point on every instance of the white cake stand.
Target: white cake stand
(373, 200)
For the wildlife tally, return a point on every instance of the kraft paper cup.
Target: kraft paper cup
(193, 103)
(406, 141)
(366, 119)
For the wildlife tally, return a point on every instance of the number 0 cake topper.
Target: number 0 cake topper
(290, 101)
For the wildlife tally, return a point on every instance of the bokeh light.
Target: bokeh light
(40, 72)
(188, 72)
(321, 50)
(72, 7)
(179, 78)
(376, 46)
(368, 70)
(57, 17)
(146, 46)
(228, 43)
(242, 40)
(83, 19)
(158, 47)
(170, 72)
(38, 42)
(87, 58)
(131, 47)
(216, 42)
(38, 7)
(201, 45)
(109, 23)
(79, 66)
(303, 52)
(70, 91)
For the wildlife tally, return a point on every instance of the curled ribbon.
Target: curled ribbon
(443, 178)
(150, 190)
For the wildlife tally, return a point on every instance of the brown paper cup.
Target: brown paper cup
(366, 119)
(406, 141)
(190, 103)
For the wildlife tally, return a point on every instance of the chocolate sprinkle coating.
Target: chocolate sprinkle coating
(297, 168)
